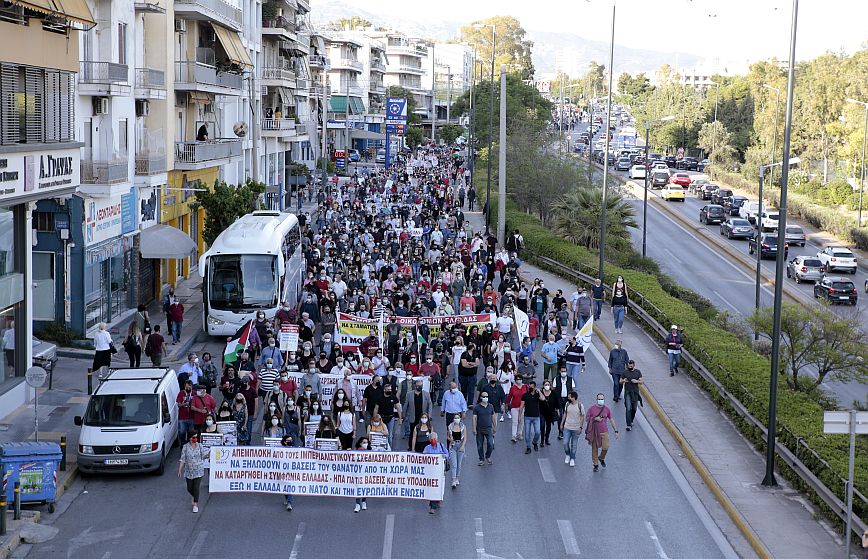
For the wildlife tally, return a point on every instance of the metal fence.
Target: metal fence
(150, 165)
(104, 172)
(102, 72)
(198, 152)
(187, 72)
(150, 78)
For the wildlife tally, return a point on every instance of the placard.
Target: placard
(271, 441)
(310, 428)
(230, 437)
(379, 441)
(208, 440)
(288, 337)
(327, 444)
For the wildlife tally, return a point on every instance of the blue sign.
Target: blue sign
(396, 109)
(128, 211)
(395, 128)
(339, 163)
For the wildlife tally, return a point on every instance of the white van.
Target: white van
(131, 422)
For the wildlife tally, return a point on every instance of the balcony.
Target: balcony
(277, 127)
(278, 77)
(347, 64)
(101, 178)
(149, 165)
(302, 85)
(150, 83)
(197, 76)
(316, 60)
(377, 66)
(416, 70)
(351, 90)
(215, 11)
(413, 50)
(191, 156)
(279, 28)
(103, 78)
(377, 89)
(301, 42)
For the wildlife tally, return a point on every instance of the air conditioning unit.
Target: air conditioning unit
(181, 25)
(143, 107)
(100, 105)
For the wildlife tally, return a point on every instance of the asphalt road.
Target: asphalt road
(521, 507)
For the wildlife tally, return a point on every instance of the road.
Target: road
(521, 507)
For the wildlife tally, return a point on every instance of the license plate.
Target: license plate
(116, 461)
(844, 298)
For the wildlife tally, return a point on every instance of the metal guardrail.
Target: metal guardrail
(187, 72)
(790, 448)
(150, 78)
(277, 73)
(277, 124)
(102, 72)
(150, 165)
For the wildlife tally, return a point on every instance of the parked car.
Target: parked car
(695, 184)
(672, 192)
(44, 354)
(703, 165)
(836, 289)
(796, 235)
(670, 161)
(681, 179)
(706, 191)
(736, 228)
(710, 214)
(623, 164)
(805, 268)
(838, 258)
(659, 179)
(733, 204)
(638, 172)
(687, 164)
(768, 245)
(749, 211)
(355, 156)
(718, 195)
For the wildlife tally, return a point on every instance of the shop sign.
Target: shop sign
(148, 213)
(39, 173)
(109, 249)
(109, 217)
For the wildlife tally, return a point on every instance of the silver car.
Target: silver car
(796, 235)
(805, 268)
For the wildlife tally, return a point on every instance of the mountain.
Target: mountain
(551, 51)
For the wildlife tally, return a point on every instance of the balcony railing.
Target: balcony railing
(377, 88)
(104, 172)
(211, 8)
(279, 22)
(378, 65)
(273, 73)
(275, 124)
(302, 84)
(197, 73)
(147, 165)
(316, 60)
(407, 49)
(411, 69)
(150, 78)
(102, 72)
(201, 152)
(347, 90)
(348, 63)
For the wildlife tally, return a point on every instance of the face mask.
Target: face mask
(200, 393)
(272, 407)
(412, 360)
(375, 422)
(453, 390)
(308, 392)
(284, 378)
(601, 401)
(424, 420)
(547, 386)
(485, 400)
(209, 423)
(563, 375)
(196, 360)
(269, 365)
(271, 344)
(274, 422)
(364, 445)
(456, 420)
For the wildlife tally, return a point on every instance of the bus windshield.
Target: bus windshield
(242, 281)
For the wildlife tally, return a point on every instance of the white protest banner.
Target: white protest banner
(271, 441)
(379, 441)
(352, 329)
(288, 337)
(522, 322)
(301, 471)
(327, 444)
(229, 434)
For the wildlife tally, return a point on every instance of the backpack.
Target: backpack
(148, 347)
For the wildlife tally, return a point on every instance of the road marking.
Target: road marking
(387, 537)
(722, 298)
(480, 542)
(672, 254)
(660, 552)
(569, 538)
(107, 554)
(197, 545)
(545, 467)
(293, 554)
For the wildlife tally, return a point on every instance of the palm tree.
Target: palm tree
(577, 216)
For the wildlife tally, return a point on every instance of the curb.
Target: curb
(12, 539)
(718, 492)
(179, 354)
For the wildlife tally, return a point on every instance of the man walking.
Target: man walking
(583, 308)
(549, 353)
(673, 349)
(453, 402)
(484, 428)
(531, 410)
(617, 365)
(597, 294)
(597, 431)
(631, 379)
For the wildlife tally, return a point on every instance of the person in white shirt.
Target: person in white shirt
(505, 326)
(339, 286)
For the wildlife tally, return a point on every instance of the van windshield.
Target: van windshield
(122, 410)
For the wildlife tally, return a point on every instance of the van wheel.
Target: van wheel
(51, 508)
(161, 469)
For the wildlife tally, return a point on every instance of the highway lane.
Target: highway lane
(524, 506)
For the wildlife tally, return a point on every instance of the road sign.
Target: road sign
(396, 109)
(35, 377)
(838, 422)
(395, 129)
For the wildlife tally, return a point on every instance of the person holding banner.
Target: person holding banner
(363, 444)
(273, 427)
(288, 441)
(434, 447)
(346, 422)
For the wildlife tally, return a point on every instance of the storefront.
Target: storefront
(175, 212)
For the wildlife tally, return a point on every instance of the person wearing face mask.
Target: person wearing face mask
(456, 440)
(379, 363)
(549, 411)
(631, 379)
(346, 424)
(597, 422)
(530, 409)
(454, 402)
(288, 440)
(201, 405)
(230, 384)
(339, 398)
(417, 408)
(242, 417)
(211, 423)
(563, 385)
(484, 428)
(284, 315)
(210, 375)
(271, 351)
(192, 468)
(190, 370)
(224, 412)
(267, 379)
(618, 359)
(185, 412)
(288, 385)
(571, 424)
(273, 427)
(378, 425)
(435, 447)
(328, 347)
(619, 303)
(311, 378)
(363, 444)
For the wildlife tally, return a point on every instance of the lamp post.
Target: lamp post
(862, 168)
(606, 154)
(777, 91)
(714, 126)
(471, 156)
(490, 122)
(769, 479)
(648, 124)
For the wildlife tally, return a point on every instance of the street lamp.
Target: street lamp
(470, 135)
(606, 153)
(777, 91)
(714, 126)
(862, 169)
(490, 122)
(769, 479)
(648, 124)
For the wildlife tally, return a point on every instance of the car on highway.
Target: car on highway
(838, 258)
(702, 165)
(706, 191)
(796, 235)
(355, 156)
(637, 172)
(670, 161)
(697, 183)
(769, 220)
(681, 179)
(749, 211)
(736, 228)
(805, 268)
(672, 192)
(768, 243)
(733, 204)
(381, 155)
(659, 179)
(623, 164)
(710, 214)
(717, 197)
(687, 164)
(836, 290)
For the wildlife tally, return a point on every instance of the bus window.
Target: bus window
(242, 282)
(291, 243)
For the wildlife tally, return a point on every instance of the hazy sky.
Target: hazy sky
(725, 29)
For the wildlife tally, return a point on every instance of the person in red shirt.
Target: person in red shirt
(404, 269)
(532, 327)
(370, 344)
(201, 405)
(288, 385)
(429, 368)
(467, 299)
(413, 366)
(513, 404)
(185, 412)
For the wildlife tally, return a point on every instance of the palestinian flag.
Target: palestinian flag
(237, 343)
(419, 338)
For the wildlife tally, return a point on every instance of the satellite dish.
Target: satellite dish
(240, 129)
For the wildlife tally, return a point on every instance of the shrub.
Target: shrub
(59, 334)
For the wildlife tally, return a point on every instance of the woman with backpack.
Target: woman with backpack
(133, 344)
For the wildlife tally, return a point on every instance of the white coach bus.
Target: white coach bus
(254, 265)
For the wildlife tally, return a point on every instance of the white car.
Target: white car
(660, 167)
(769, 220)
(838, 258)
(637, 172)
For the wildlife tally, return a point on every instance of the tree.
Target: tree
(225, 203)
(716, 140)
(414, 136)
(512, 48)
(812, 338)
(398, 91)
(634, 88)
(577, 216)
(449, 132)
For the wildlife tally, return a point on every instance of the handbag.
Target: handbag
(448, 467)
(112, 348)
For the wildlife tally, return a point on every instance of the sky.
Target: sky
(723, 29)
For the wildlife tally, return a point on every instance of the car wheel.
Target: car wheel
(161, 469)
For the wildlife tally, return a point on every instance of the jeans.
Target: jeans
(468, 387)
(674, 361)
(631, 403)
(287, 499)
(406, 429)
(571, 441)
(483, 439)
(456, 458)
(185, 429)
(598, 308)
(390, 425)
(618, 313)
(574, 370)
(616, 385)
(176, 331)
(546, 427)
(531, 424)
(583, 318)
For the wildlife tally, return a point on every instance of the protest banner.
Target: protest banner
(352, 329)
(327, 444)
(288, 337)
(271, 441)
(379, 441)
(301, 471)
(310, 428)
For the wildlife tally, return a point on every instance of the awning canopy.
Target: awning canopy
(366, 135)
(338, 104)
(164, 241)
(233, 46)
(286, 96)
(75, 10)
(199, 97)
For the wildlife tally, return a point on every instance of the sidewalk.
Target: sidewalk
(780, 520)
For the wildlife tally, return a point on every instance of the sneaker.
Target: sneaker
(430, 511)
(357, 509)
(603, 462)
(567, 459)
(481, 462)
(195, 508)
(560, 436)
(596, 468)
(572, 463)
(671, 373)
(454, 483)
(442, 414)
(501, 418)
(364, 505)
(509, 414)
(457, 482)
(514, 439)
(527, 450)
(289, 507)
(629, 427)
(535, 446)
(490, 462)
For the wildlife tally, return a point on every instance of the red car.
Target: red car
(681, 179)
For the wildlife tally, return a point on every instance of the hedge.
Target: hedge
(743, 372)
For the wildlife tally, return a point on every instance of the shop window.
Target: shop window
(7, 242)
(7, 340)
(43, 222)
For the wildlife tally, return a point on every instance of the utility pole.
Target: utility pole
(501, 164)
(606, 153)
(433, 97)
(448, 92)
(470, 136)
(254, 129)
(325, 120)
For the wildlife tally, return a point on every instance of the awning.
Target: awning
(164, 241)
(338, 104)
(233, 46)
(366, 135)
(199, 97)
(75, 10)
(286, 97)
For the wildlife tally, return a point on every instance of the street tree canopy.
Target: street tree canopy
(225, 203)
(512, 48)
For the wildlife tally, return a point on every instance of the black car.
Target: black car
(670, 161)
(711, 213)
(718, 195)
(706, 191)
(736, 228)
(733, 204)
(687, 164)
(659, 179)
(768, 245)
(836, 289)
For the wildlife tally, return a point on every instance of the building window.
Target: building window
(43, 222)
(122, 43)
(37, 105)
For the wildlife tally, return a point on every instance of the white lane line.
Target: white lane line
(293, 554)
(660, 552)
(569, 538)
(197, 545)
(722, 298)
(545, 467)
(480, 542)
(388, 536)
(672, 254)
(107, 554)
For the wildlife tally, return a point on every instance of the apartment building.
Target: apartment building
(405, 68)
(452, 67)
